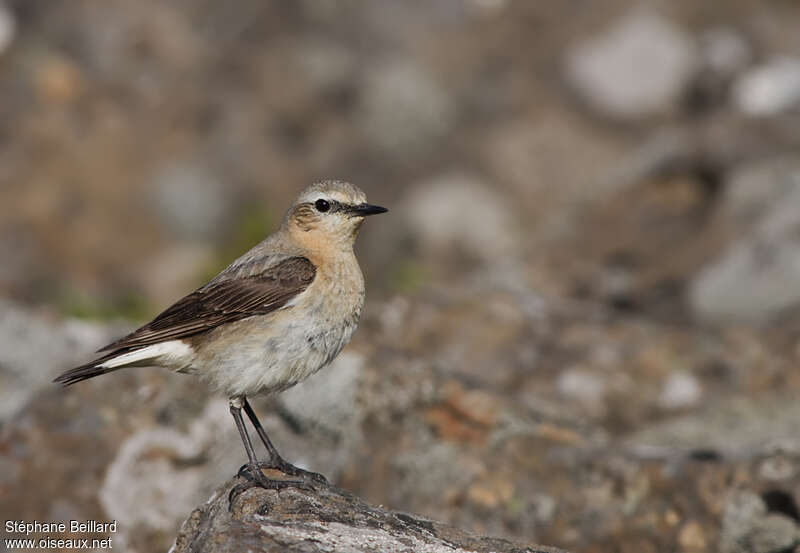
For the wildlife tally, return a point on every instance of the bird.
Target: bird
(275, 316)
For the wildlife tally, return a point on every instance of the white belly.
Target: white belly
(272, 353)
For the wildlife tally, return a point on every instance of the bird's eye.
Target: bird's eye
(322, 205)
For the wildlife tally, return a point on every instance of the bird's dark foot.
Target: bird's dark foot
(255, 478)
(289, 469)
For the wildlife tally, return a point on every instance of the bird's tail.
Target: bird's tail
(131, 356)
(89, 370)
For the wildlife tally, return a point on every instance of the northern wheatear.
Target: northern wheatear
(275, 316)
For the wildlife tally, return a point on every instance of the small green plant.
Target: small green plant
(253, 226)
(406, 276)
(126, 305)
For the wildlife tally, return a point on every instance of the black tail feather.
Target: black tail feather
(87, 371)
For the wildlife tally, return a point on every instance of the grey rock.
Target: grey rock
(680, 390)
(747, 527)
(425, 474)
(328, 399)
(488, 7)
(436, 209)
(8, 27)
(752, 282)
(404, 110)
(759, 275)
(327, 405)
(321, 519)
(753, 189)
(552, 195)
(34, 348)
(777, 469)
(724, 51)
(584, 387)
(327, 65)
(191, 201)
(735, 428)
(770, 88)
(163, 463)
(639, 67)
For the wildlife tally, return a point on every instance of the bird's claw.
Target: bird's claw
(255, 478)
(306, 475)
(287, 469)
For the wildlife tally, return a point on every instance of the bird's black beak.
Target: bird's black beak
(363, 210)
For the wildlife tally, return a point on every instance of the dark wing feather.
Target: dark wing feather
(223, 301)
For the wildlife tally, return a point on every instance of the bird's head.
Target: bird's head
(328, 214)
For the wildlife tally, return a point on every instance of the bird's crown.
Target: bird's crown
(336, 190)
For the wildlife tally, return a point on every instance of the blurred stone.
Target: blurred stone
(464, 415)
(433, 474)
(754, 189)
(163, 463)
(58, 79)
(692, 537)
(448, 426)
(680, 390)
(404, 110)
(770, 88)
(328, 399)
(463, 214)
(8, 27)
(641, 66)
(734, 427)
(477, 405)
(491, 493)
(724, 51)
(723, 54)
(20, 257)
(529, 154)
(191, 200)
(759, 275)
(84, 427)
(543, 507)
(35, 348)
(488, 7)
(559, 434)
(776, 469)
(615, 284)
(584, 387)
(327, 65)
(748, 528)
(327, 405)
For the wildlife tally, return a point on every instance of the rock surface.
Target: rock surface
(33, 349)
(769, 89)
(323, 518)
(758, 277)
(7, 27)
(639, 67)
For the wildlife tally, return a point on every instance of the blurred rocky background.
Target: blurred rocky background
(582, 314)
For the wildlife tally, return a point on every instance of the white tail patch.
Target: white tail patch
(172, 354)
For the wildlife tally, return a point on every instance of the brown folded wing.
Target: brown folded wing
(223, 301)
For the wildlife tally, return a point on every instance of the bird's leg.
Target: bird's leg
(275, 460)
(236, 411)
(252, 470)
